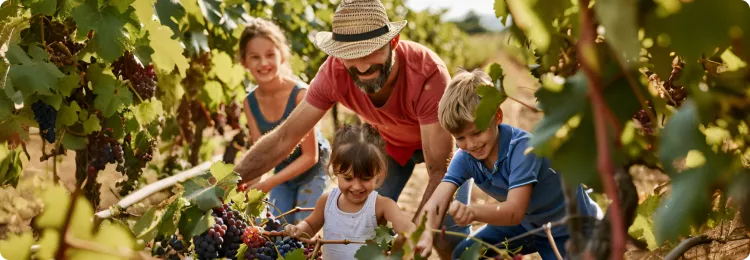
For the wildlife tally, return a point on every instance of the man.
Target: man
(392, 85)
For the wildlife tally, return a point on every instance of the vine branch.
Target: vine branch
(590, 66)
(155, 187)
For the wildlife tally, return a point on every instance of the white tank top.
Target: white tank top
(339, 225)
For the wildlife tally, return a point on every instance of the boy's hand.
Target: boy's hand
(424, 246)
(462, 214)
(292, 231)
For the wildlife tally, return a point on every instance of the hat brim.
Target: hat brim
(353, 50)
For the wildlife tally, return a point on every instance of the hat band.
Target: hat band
(361, 36)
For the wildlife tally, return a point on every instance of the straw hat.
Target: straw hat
(359, 28)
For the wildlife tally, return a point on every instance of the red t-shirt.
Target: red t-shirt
(409, 106)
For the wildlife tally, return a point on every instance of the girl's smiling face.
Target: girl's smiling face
(263, 59)
(355, 190)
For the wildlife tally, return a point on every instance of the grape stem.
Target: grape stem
(277, 209)
(155, 187)
(130, 86)
(490, 246)
(294, 210)
(548, 231)
(601, 111)
(63, 245)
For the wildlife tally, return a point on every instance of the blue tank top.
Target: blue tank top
(265, 127)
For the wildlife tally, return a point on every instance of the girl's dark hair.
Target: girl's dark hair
(359, 150)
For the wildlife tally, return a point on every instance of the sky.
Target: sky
(456, 8)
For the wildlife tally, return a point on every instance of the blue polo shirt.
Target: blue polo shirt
(515, 168)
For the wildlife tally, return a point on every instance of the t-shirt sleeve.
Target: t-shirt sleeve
(524, 168)
(458, 169)
(427, 106)
(321, 93)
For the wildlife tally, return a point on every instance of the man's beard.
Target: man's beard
(372, 85)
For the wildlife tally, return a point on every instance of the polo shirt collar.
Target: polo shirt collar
(505, 134)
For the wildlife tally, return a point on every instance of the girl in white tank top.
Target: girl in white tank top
(353, 210)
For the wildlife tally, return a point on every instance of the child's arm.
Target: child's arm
(313, 223)
(308, 159)
(508, 213)
(390, 210)
(435, 209)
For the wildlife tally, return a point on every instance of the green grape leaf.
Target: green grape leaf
(643, 227)
(48, 244)
(17, 246)
(195, 221)
(526, 18)
(82, 221)
(297, 254)
(171, 217)
(144, 10)
(123, 5)
(559, 105)
(73, 142)
(241, 252)
(420, 229)
(112, 236)
(198, 42)
(172, 91)
(471, 253)
(167, 51)
(501, 10)
(54, 100)
(201, 191)
(147, 112)
(146, 222)
(220, 170)
(43, 7)
(92, 125)
(225, 69)
(111, 93)
(680, 135)
(212, 94)
(211, 10)
(496, 74)
(169, 12)
(671, 30)
(143, 50)
(255, 203)
(488, 105)
(372, 251)
(115, 123)
(32, 75)
(618, 17)
(68, 114)
(108, 24)
(68, 83)
(67, 6)
(383, 235)
(56, 202)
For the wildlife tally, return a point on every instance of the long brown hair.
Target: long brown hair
(266, 28)
(359, 150)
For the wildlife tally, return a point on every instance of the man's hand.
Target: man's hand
(271, 149)
(437, 146)
(462, 214)
(262, 186)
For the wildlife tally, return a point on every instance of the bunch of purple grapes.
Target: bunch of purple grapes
(235, 225)
(103, 150)
(208, 244)
(46, 116)
(142, 79)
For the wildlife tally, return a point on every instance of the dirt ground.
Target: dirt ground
(515, 114)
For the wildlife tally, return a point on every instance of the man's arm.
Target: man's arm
(437, 146)
(272, 148)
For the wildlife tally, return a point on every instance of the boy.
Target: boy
(529, 191)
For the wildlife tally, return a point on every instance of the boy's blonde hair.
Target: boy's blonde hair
(456, 107)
